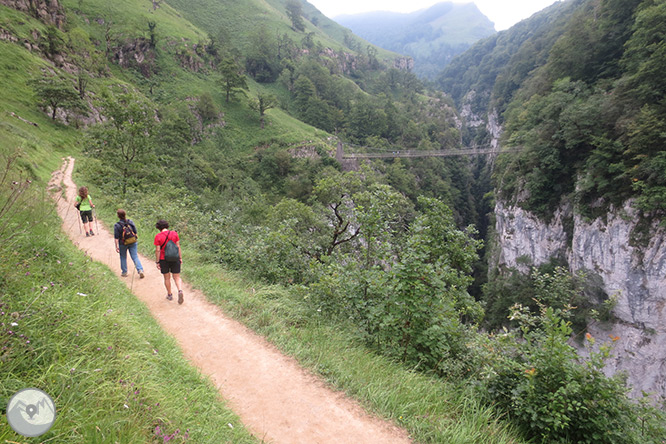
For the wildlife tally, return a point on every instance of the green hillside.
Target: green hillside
(220, 117)
(576, 86)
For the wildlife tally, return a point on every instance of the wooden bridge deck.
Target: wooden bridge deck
(414, 153)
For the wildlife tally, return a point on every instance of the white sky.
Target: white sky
(504, 13)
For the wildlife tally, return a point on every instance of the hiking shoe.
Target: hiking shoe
(87, 234)
(180, 296)
(123, 275)
(91, 233)
(169, 297)
(141, 275)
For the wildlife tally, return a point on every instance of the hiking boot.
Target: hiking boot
(169, 297)
(91, 233)
(87, 234)
(180, 296)
(141, 275)
(123, 275)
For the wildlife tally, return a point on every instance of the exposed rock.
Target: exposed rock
(635, 274)
(190, 60)
(472, 119)
(47, 11)
(404, 63)
(6, 35)
(138, 54)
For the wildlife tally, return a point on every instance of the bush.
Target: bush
(540, 382)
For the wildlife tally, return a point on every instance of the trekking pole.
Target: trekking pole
(78, 217)
(96, 226)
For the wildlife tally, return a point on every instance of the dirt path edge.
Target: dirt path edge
(275, 398)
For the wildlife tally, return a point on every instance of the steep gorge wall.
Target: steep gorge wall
(603, 248)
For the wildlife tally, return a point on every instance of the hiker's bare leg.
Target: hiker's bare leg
(176, 279)
(167, 282)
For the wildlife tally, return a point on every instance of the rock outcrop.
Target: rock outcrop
(632, 271)
(47, 11)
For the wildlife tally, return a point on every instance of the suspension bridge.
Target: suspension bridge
(395, 153)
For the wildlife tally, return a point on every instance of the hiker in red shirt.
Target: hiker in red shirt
(168, 257)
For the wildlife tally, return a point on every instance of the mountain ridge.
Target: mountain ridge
(432, 36)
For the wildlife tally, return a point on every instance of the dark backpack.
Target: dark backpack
(171, 253)
(128, 236)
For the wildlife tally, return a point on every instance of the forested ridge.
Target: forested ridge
(578, 87)
(223, 118)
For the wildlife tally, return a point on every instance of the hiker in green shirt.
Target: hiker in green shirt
(84, 205)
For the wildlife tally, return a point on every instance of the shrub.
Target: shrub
(538, 379)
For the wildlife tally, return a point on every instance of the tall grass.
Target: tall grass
(70, 329)
(431, 409)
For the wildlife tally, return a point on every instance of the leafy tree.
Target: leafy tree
(261, 61)
(428, 301)
(365, 120)
(304, 90)
(53, 41)
(295, 14)
(56, 92)
(206, 108)
(152, 33)
(233, 79)
(86, 58)
(125, 142)
(262, 103)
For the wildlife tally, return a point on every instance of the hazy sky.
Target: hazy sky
(504, 13)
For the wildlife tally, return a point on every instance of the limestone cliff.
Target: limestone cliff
(635, 272)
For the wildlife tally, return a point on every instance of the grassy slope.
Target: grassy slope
(114, 375)
(100, 386)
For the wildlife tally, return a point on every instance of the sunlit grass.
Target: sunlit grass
(68, 327)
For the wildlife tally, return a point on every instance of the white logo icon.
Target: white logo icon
(31, 412)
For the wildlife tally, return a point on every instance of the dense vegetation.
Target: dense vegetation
(583, 98)
(250, 186)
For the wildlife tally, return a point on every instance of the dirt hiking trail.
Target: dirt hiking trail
(277, 401)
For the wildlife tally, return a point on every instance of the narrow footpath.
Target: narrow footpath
(276, 399)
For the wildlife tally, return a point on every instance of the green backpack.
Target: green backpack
(171, 253)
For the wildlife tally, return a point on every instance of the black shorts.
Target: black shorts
(86, 216)
(169, 267)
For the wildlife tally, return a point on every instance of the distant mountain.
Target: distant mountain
(431, 36)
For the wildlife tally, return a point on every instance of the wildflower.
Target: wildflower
(13, 324)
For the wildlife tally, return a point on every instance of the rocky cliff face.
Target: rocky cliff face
(603, 248)
(48, 11)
